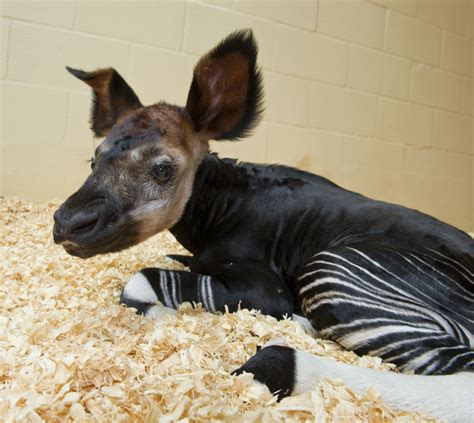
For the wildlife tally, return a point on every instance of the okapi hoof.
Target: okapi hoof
(139, 294)
(274, 365)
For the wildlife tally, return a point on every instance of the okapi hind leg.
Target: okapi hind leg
(245, 284)
(288, 371)
(401, 306)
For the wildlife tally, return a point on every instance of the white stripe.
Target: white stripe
(359, 338)
(431, 368)
(454, 261)
(442, 274)
(311, 273)
(321, 281)
(203, 292)
(397, 307)
(379, 331)
(433, 315)
(364, 282)
(139, 289)
(434, 357)
(422, 293)
(412, 352)
(314, 302)
(470, 294)
(390, 298)
(340, 300)
(390, 286)
(180, 297)
(417, 362)
(395, 345)
(164, 288)
(402, 307)
(173, 291)
(468, 335)
(390, 321)
(212, 306)
(462, 334)
(422, 359)
(450, 362)
(451, 292)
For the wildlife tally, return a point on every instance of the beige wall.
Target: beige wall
(376, 95)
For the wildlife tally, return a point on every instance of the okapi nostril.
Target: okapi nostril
(82, 223)
(57, 216)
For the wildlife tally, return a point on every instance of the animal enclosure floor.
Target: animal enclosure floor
(68, 351)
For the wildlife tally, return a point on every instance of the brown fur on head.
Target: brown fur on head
(143, 172)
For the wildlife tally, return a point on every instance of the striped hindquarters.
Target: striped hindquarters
(415, 310)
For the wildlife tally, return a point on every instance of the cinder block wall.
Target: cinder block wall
(376, 95)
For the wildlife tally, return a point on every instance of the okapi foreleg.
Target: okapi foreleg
(248, 284)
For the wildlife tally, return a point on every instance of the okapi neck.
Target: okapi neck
(218, 189)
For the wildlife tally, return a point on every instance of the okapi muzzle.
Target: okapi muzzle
(143, 171)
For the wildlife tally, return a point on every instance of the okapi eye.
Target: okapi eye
(162, 171)
(92, 162)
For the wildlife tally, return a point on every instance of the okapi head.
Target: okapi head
(143, 172)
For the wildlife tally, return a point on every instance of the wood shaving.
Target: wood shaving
(69, 352)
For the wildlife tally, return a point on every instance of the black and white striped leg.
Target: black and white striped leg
(288, 371)
(249, 285)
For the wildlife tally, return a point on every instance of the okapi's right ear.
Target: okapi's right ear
(225, 98)
(111, 98)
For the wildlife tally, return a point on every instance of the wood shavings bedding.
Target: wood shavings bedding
(69, 352)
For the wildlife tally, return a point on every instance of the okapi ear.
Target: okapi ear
(226, 94)
(111, 97)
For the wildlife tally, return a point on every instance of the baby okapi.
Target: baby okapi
(377, 278)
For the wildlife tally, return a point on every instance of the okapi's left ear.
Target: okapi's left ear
(112, 97)
(225, 98)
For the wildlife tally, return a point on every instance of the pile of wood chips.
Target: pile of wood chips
(68, 351)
